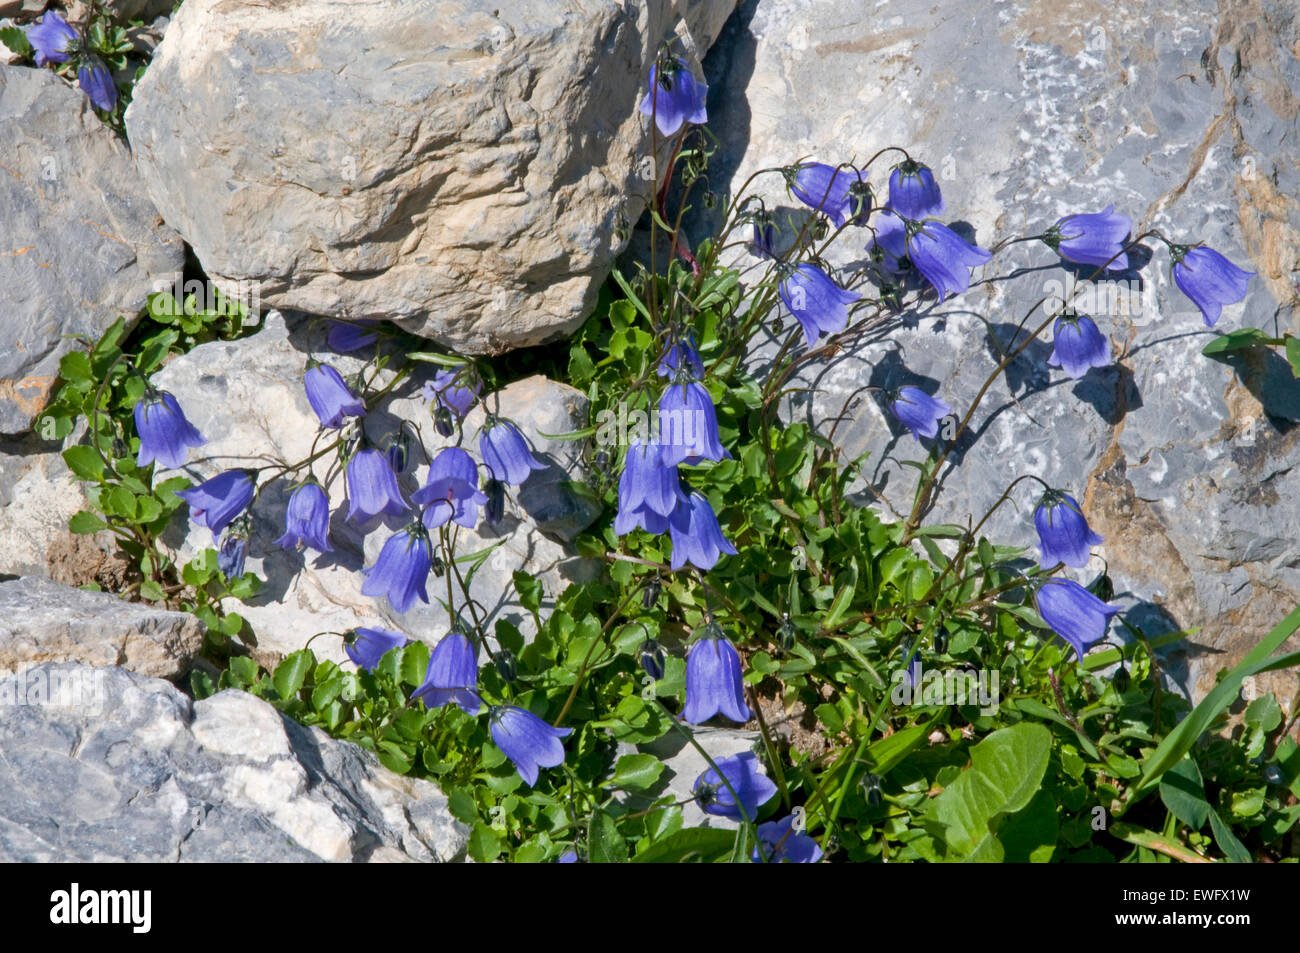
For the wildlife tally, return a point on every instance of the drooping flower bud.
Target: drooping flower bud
(653, 658)
(506, 665)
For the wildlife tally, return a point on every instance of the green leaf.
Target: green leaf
(701, 845)
(1293, 354)
(415, 664)
(1234, 849)
(1183, 792)
(152, 591)
(84, 522)
(85, 462)
(292, 673)
(605, 845)
(16, 40)
(484, 844)
(637, 772)
(1236, 341)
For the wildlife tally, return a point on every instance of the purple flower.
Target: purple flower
(1073, 612)
(97, 83)
(450, 491)
(688, 425)
(918, 411)
(675, 96)
(452, 675)
(780, 842)
(763, 242)
(402, 569)
(890, 242)
(164, 431)
(649, 491)
(330, 397)
(448, 389)
(506, 452)
(695, 534)
(752, 788)
(52, 39)
(1063, 532)
(307, 519)
(943, 257)
(1077, 344)
(526, 740)
(673, 357)
(568, 857)
(819, 304)
(344, 337)
(367, 646)
(372, 487)
(842, 195)
(1093, 239)
(1209, 279)
(913, 192)
(230, 557)
(713, 683)
(214, 503)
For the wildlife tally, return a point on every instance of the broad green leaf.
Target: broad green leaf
(637, 772)
(292, 673)
(1183, 792)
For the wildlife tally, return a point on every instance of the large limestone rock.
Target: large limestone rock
(457, 167)
(1185, 117)
(105, 765)
(80, 243)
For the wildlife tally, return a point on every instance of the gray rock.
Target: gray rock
(38, 493)
(1182, 116)
(459, 167)
(102, 764)
(43, 621)
(82, 245)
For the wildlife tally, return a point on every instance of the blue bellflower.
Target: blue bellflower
(526, 740)
(1073, 612)
(506, 452)
(673, 357)
(889, 246)
(943, 257)
(97, 83)
(452, 675)
(1209, 279)
(402, 570)
(918, 411)
(820, 305)
(164, 432)
(675, 96)
(695, 534)
(453, 388)
(307, 519)
(450, 491)
(752, 788)
(913, 192)
(781, 843)
(1078, 344)
(230, 557)
(367, 646)
(1063, 533)
(372, 487)
(345, 337)
(330, 397)
(713, 679)
(842, 195)
(52, 39)
(688, 425)
(214, 503)
(649, 491)
(1093, 239)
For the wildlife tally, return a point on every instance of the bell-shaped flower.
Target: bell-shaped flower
(1209, 279)
(918, 411)
(713, 679)
(779, 842)
(214, 503)
(344, 336)
(1063, 533)
(675, 96)
(367, 646)
(648, 483)
(943, 256)
(450, 491)
(372, 487)
(1078, 344)
(695, 534)
(842, 195)
(307, 519)
(97, 83)
(817, 302)
(752, 788)
(164, 432)
(688, 425)
(889, 245)
(1073, 612)
(506, 452)
(913, 192)
(330, 397)
(52, 39)
(684, 348)
(455, 388)
(402, 570)
(452, 675)
(230, 555)
(1093, 239)
(526, 740)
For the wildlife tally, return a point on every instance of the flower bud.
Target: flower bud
(653, 658)
(1102, 588)
(650, 595)
(442, 421)
(495, 508)
(941, 640)
(1121, 679)
(870, 785)
(785, 635)
(506, 666)
(399, 451)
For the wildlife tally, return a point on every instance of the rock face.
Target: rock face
(457, 167)
(1183, 118)
(247, 398)
(80, 243)
(143, 774)
(42, 621)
